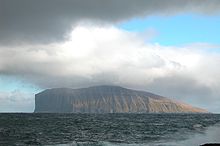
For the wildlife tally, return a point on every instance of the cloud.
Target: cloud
(93, 55)
(72, 43)
(51, 20)
(16, 101)
(108, 55)
(185, 88)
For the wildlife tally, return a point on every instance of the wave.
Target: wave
(210, 135)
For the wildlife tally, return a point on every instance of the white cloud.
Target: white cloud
(108, 55)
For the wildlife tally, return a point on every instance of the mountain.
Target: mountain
(107, 99)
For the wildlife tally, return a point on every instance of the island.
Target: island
(107, 99)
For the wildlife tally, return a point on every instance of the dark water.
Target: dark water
(109, 129)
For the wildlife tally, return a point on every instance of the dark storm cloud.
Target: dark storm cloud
(44, 21)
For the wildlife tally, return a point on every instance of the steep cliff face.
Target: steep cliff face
(107, 99)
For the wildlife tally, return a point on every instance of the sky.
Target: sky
(171, 48)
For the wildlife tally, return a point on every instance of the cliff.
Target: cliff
(107, 99)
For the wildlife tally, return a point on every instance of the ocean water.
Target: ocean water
(109, 129)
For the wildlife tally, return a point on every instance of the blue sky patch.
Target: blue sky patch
(178, 29)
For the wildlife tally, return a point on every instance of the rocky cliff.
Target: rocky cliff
(107, 99)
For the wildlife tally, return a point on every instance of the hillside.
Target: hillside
(107, 99)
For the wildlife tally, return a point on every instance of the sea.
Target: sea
(21, 129)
